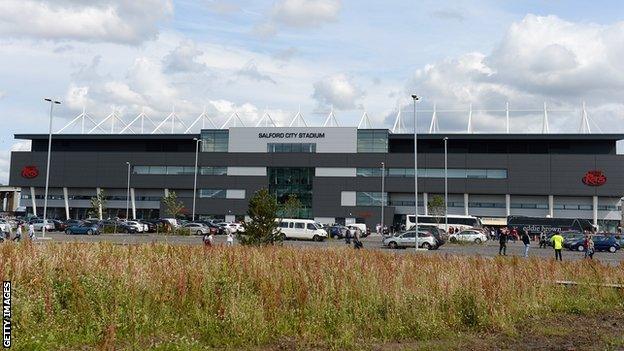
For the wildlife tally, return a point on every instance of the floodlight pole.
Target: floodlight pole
(446, 184)
(197, 141)
(128, 194)
(415, 98)
(383, 197)
(47, 180)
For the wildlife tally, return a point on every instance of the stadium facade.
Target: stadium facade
(334, 171)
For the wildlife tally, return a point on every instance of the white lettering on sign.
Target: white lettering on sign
(300, 135)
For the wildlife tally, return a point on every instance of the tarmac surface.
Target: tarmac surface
(487, 249)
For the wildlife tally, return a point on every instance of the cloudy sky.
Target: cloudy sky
(314, 55)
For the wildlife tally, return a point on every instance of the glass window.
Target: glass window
(212, 193)
(158, 170)
(214, 140)
(175, 170)
(299, 225)
(213, 171)
(496, 173)
(433, 172)
(586, 207)
(140, 169)
(311, 226)
(476, 174)
(363, 198)
(457, 173)
(291, 147)
(396, 172)
(372, 141)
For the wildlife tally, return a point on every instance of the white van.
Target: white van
(301, 229)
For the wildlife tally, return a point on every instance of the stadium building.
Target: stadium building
(334, 171)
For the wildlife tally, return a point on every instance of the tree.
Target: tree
(291, 207)
(262, 228)
(98, 202)
(436, 207)
(172, 206)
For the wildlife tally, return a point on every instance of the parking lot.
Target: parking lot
(487, 249)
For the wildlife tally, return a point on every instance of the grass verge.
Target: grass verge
(162, 297)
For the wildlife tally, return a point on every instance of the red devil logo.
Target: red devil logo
(30, 172)
(594, 178)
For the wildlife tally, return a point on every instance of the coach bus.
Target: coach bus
(455, 221)
(537, 225)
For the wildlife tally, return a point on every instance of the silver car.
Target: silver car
(197, 228)
(408, 239)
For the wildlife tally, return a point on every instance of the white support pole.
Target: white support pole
(66, 198)
(466, 203)
(415, 99)
(133, 202)
(508, 204)
(469, 129)
(426, 203)
(507, 116)
(545, 128)
(32, 200)
(97, 194)
(551, 206)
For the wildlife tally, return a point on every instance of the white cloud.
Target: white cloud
(299, 14)
(2, 94)
(338, 90)
(119, 21)
(250, 70)
(305, 13)
(184, 59)
(539, 59)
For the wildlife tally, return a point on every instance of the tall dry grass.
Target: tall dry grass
(68, 296)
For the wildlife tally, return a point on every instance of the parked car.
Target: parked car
(123, 227)
(426, 240)
(337, 231)
(301, 229)
(149, 227)
(197, 228)
(231, 227)
(468, 235)
(4, 225)
(72, 222)
(601, 243)
(59, 226)
(214, 229)
(438, 233)
(570, 238)
(84, 228)
(139, 227)
(38, 224)
(362, 227)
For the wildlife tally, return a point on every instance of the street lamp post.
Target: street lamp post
(128, 194)
(47, 180)
(446, 184)
(415, 98)
(383, 197)
(197, 141)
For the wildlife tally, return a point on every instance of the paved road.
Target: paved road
(488, 249)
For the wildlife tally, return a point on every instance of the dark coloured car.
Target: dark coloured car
(570, 238)
(337, 231)
(123, 227)
(59, 226)
(601, 243)
(151, 227)
(85, 228)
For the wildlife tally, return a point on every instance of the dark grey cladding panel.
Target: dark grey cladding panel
(331, 160)
(567, 172)
(613, 168)
(528, 174)
(487, 160)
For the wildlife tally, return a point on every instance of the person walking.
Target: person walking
(589, 247)
(230, 239)
(31, 231)
(348, 236)
(557, 241)
(526, 240)
(357, 244)
(542, 242)
(18, 232)
(502, 243)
